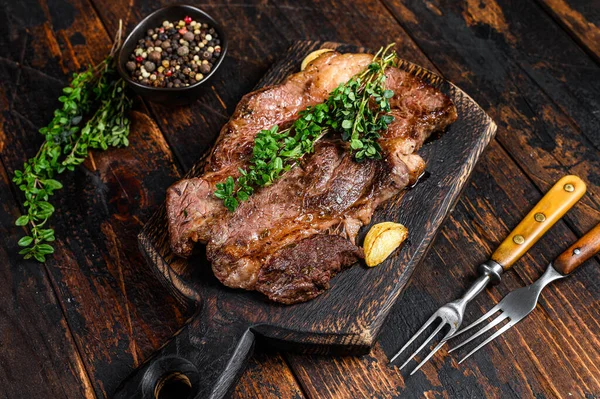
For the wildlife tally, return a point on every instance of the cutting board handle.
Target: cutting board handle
(203, 360)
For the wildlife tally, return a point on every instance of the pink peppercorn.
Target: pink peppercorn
(187, 20)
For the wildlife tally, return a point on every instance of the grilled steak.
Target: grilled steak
(290, 238)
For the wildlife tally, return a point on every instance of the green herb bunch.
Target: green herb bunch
(357, 109)
(95, 96)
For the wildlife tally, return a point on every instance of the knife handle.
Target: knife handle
(583, 249)
(557, 201)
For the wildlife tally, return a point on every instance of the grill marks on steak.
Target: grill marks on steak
(327, 193)
(299, 272)
(316, 208)
(191, 208)
(280, 104)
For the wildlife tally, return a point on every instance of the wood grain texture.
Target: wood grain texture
(96, 269)
(515, 60)
(579, 252)
(581, 19)
(37, 350)
(348, 317)
(528, 89)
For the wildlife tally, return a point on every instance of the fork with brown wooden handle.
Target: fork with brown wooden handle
(518, 304)
(557, 201)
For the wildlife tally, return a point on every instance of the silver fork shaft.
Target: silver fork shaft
(476, 288)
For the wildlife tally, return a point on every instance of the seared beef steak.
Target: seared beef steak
(302, 271)
(318, 207)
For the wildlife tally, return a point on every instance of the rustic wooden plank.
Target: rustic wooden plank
(581, 19)
(267, 376)
(309, 30)
(38, 355)
(118, 313)
(486, 47)
(541, 89)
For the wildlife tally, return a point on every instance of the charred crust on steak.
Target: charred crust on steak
(321, 203)
(301, 271)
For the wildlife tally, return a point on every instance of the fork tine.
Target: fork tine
(427, 323)
(442, 342)
(487, 341)
(493, 323)
(433, 334)
(476, 322)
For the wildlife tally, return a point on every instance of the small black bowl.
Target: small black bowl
(176, 96)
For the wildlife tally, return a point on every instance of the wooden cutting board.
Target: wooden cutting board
(207, 355)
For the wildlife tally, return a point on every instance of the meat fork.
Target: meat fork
(518, 304)
(557, 201)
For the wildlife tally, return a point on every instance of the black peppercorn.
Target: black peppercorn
(205, 68)
(183, 50)
(149, 66)
(155, 57)
(131, 65)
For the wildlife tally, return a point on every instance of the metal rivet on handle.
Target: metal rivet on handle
(519, 239)
(576, 251)
(569, 187)
(539, 217)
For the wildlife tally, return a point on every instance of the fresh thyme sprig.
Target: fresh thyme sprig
(357, 109)
(97, 95)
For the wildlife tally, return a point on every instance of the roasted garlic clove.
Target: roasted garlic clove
(312, 56)
(381, 240)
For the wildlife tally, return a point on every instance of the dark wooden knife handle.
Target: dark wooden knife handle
(204, 360)
(583, 249)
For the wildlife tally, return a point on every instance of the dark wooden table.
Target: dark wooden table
(76, 326)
